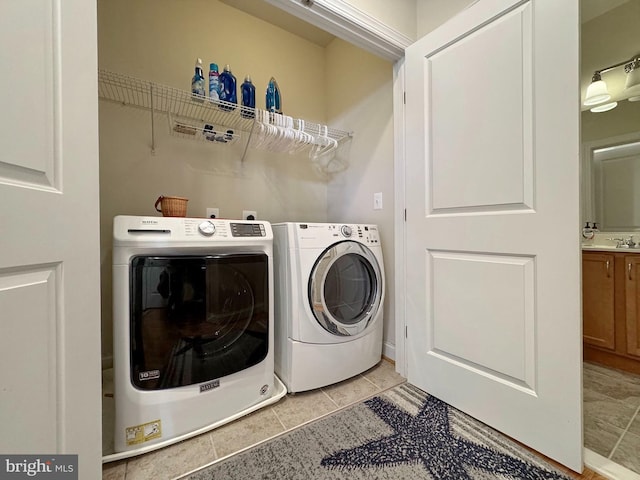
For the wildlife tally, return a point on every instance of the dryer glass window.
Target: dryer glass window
(350, 289)
(197, 318)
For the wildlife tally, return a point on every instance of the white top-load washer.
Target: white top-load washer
(329, 294)
(193, 326)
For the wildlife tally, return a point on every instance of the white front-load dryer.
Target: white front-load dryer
(329, 297)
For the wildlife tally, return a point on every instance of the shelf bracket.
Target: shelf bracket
(246, 147)
(153, 131)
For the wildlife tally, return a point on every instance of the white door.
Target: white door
(492, 255)
(49, 224)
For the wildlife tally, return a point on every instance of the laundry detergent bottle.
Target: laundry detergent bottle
(228, 89)
(273, 100)
(197, 82)
(248, 93)
(214, 82)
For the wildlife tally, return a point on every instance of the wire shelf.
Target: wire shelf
(200, 131)
(161, 98)
(189, 114)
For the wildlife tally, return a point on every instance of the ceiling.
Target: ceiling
(590, 9)
(282, 19)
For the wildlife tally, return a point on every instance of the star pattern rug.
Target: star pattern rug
(400, 434)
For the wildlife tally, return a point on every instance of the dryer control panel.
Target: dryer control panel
(309, 234)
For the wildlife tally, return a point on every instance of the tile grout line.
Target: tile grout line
(330, 399)
(213, 445)
(278, 418)
(623, 433)
(372, 382)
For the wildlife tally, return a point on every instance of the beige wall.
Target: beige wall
(362, 101)
(623, 119)
(397, 14)
(606, 40)
(159, 40)
(430, 14)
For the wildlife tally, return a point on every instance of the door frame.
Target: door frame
(399, 220)
(350, 24)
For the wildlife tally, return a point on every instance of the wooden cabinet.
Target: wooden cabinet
(611, 309)
(598, 300)
(632, 292)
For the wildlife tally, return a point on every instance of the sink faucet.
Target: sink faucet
(622, 242)
(619, 242)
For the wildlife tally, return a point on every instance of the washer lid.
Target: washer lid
(345, 288)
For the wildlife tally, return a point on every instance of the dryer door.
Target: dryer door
(345, 288)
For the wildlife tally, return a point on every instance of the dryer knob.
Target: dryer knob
(346, 230)
(207, 228)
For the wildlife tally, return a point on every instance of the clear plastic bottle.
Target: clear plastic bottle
(214, 82)
(248, 94)
(228, 91)
(197, 82)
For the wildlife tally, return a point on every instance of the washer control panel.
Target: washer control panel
(141, 230)
(207, 228)
(248, 230)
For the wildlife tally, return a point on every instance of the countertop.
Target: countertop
(611, 248)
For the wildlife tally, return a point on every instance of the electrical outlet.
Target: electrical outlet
(249, 215)
(213, 212)
(377, 201)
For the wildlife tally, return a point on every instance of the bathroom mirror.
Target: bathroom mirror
(610, 167)
(612, 180)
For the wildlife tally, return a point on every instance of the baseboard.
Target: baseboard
(389, 351)
(607, 468)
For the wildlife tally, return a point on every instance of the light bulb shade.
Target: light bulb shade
(596, 93)
(632, 83)
(604, 108)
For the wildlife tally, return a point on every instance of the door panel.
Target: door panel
(493, 255)
(492, 331)
(504, 177)
(31, 347)
(31, 161)
(49, 260)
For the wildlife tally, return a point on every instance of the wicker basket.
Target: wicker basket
(172, 206)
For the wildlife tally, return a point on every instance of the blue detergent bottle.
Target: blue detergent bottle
(228, 88)
(248, 94)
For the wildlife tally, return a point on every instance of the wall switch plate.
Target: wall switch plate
(377, 201)
(249, 215)
(213, 213)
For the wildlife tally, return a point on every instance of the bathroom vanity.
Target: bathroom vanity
(611, 306)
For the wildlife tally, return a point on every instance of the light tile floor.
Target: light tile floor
(611, 414)
(290, 412)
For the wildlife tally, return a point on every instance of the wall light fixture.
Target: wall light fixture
(598, 96)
